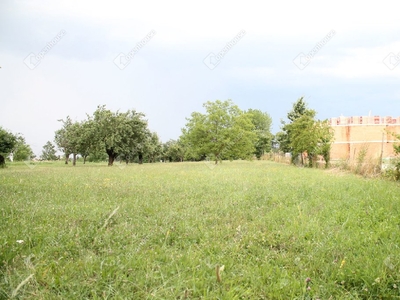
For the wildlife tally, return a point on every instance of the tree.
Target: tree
(262, 128)
(22, 151)
(119, 133)
(299, 109)
(153, 147)
(302, 136)
(7, 143)
(311, 137)
(49, 152)
(63, 138)
(282, 141)
(86, 138)
(174, 151)
(74, 136)
(224, 131)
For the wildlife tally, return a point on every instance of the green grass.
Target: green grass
(158, 231)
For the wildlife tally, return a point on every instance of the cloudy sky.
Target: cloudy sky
(166, 58)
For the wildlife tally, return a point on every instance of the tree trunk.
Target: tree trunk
(111, 156)
(2, 161)
(66, 158)
(84, 159)
(74, 159)
(140, 158)
(110, 160)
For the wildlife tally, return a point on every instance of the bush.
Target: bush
(392, 171)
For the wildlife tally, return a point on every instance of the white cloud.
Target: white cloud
(359, 63)
(168, 79)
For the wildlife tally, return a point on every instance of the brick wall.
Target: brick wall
(353, 134)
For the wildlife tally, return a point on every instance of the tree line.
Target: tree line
(222, 132)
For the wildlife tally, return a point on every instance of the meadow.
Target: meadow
(240, 230)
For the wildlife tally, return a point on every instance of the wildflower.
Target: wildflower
(342, 263)
(20, 241)
(308, 279)
(309, 288)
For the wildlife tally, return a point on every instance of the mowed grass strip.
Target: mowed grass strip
(161, 231)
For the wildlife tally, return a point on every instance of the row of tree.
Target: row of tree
(222, 131)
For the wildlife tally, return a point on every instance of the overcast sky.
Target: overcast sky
(62, 58)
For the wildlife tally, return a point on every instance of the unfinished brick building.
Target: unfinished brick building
(366, 133)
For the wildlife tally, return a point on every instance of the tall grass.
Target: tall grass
(242, 230)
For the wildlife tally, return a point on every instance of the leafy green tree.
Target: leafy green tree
(49, 152)
(262, 128)
(153, 147)
(299, 109)
(312, 137)
(119, 133)
(224, 131)
(174, 151)
(62, 138)
(282, 140)
(303, 137)
(22, 151)
(75, 137)
(7, 144)
(86, 138)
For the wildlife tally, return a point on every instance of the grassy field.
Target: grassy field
(161, 231)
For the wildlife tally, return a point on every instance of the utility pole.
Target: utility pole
(383, 135)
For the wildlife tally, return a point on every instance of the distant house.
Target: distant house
(366, 133)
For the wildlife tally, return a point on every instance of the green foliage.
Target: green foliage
(119, 133)
(299, 109)
(304, 134)
(153, 148)
(97, 156)
(62, 138)
(86, 138)
(70, 138)
(22, 151)
(360, 159)
(49, 152)
(282, 140)
(262, 128)
(326, 138)
(223, 132)
(7, 144)
(174, 151)
(394, 171)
